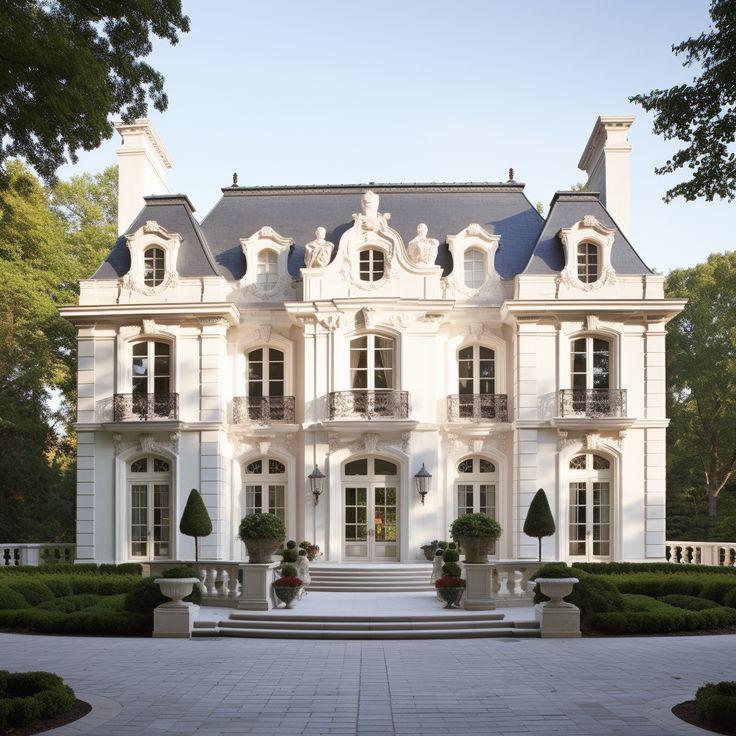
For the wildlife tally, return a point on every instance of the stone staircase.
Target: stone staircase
(451, 624)
(368, 578)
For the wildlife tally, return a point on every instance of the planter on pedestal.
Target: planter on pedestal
(450, 590)
(175, 619)
(557, 619)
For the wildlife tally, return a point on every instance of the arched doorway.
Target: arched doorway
(371, 509)
(590, 486)
(149, 507)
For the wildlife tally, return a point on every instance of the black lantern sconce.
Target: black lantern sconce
(423, 482)
(316, 483)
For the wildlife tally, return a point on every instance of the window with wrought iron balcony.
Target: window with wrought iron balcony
(265, 402)
(476, 400)
(151, 397)
(591, 394)
(372, 394)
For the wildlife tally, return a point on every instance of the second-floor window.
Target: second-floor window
(267, 270)
(151, 370)
(371, 265)
(154, 260)
(588, 271)
(590, 363)
(476, 370)
(372, 362)
(265, 372)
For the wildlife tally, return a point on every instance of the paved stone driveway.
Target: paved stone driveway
(596, 687)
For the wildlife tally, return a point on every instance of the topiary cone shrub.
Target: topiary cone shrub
(262, 535)
(195, 521)
(539, 521)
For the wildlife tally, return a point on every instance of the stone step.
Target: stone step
(360, 588)
(283, 616)
(370, 626)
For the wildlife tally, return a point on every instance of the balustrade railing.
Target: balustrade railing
(593, 402)
(219, 582)
(145, 406)
(722, 554)
(368, 404)
(264, 409)
(478, 407)
(511, 582)
(12, 555)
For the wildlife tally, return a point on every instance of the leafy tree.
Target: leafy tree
(67, 67)
(701, 368)
(44, 251)
(701, 114)
(195, 521)
(539, 521)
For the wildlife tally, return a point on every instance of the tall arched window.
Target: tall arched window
(151, 378)
(149, 506)
(590, 507)
(477, 480)
(474, 264)
(264, 486)
(267, 275)
(476, 368)
(154, 264)
(588, 263)
(372, 362)
(372, 265)
(266, 385)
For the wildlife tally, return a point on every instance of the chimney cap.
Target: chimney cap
(144, 125)
(599, 135)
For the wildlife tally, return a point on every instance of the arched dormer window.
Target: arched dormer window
(154, 266)
(371, 265)
(267, 276)
(588, 263)
(474, 268)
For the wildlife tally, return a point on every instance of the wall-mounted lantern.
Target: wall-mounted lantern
(316, 483)
(423, 482)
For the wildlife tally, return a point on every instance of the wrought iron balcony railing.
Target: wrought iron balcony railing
(593, 402)
(368, 404)
(478, 407)
(145, 406)
(264, 409)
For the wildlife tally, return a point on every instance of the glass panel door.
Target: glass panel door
(139, 520)
(590, 520)
(161, 520)
(356, 522)
(384, 536)
(150, 520)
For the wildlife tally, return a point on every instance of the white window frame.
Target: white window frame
(370, 362)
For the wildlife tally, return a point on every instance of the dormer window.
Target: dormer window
(371, 265)
(588, 266)
(154, 266)
(475, 265)
(267, 270)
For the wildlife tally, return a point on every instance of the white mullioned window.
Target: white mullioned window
(474, 265)
(267, 274)
(588, 263)
(154, 265)
(264, 487)
(372, 362)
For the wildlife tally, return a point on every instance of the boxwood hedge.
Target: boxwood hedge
(28, 696)
(716, 702)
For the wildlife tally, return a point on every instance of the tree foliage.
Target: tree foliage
(195, 521)
(539, 521)
(44, 251)
(701, 368)
(67, 66)
(702, 114)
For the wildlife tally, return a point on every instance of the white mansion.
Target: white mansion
(367, 332)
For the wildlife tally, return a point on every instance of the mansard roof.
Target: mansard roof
(175, 213)
(566, 209)
(446, 209)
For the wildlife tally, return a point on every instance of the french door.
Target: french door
(590, 510)
(371, 522)
(149, 484)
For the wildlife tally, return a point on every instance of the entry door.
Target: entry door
(590, 520)
(371, 522)
(150, 518)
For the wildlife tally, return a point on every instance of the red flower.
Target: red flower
(291, 582)
(449, 581)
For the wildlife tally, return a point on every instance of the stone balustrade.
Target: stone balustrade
(218, 580)
(36, 553)
(511, 581)
(722, 554)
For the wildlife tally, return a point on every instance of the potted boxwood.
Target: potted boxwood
(475, 533)
(262, 534)
(288, 585)
(450, 587)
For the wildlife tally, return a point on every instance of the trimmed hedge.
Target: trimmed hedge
(716, 702)
(28, 696)
(34, 591)
(688, 602)
(90, 621)
(69, 603)
(625, 568)
(126, 568)
(662, 621)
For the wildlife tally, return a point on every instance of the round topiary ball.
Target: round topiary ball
(289, 555)
(452, 569)
(288, 570)
(451, 555)
(291, 544)
(452, 545)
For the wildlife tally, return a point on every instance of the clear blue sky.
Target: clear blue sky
(293, 92)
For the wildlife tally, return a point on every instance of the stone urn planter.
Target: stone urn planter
(176, 589)
(262, 535)
(450, 590)
(556, 589)
(475, 533)
(287, 590)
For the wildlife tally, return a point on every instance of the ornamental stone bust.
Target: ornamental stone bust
(318, 252)
(422, 250)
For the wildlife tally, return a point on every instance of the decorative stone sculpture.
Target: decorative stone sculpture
(302, 567)
(318, 252)
(422, 250)
(370, 219)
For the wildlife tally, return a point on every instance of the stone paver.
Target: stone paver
(468, 686)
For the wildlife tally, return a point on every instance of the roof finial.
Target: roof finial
(235, 179)
(511, 174)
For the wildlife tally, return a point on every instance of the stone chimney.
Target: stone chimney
(142, 165)
(606, 161)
